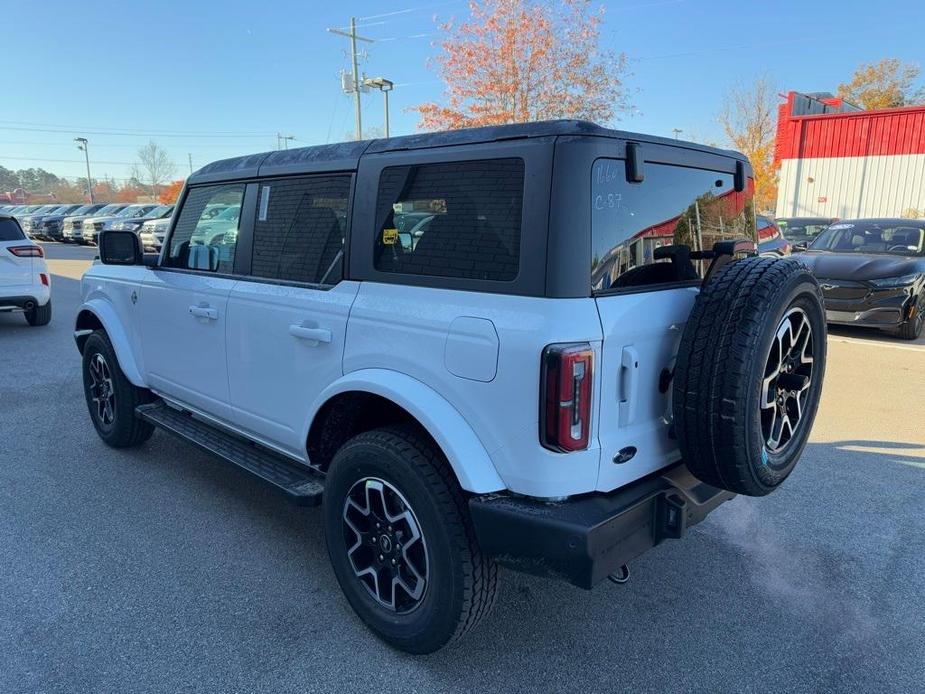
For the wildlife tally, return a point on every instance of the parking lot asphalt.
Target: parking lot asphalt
(161, 569)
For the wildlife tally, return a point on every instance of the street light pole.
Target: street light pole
(385, 86)
(83, 144)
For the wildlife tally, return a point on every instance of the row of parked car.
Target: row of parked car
(74, 223)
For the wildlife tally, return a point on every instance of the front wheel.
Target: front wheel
(912, 328)
(111, 397)
(401, 542)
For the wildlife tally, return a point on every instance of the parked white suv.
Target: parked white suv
(576, 357)
(25, 284)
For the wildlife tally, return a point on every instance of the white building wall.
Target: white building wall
(849, 187)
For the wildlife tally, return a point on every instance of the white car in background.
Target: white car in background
(25, 284)
(153, 232)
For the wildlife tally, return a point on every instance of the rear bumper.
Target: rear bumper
(23, 302)
(585, 539)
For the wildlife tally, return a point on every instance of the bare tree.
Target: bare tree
(154, 167)
(749, 119)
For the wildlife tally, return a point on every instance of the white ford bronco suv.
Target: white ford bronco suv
(548, 347)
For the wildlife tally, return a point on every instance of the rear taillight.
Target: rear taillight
(27, 251)
(565, 409)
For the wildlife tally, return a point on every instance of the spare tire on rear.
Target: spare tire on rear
(749, 374)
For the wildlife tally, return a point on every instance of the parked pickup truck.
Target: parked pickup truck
(575, 356)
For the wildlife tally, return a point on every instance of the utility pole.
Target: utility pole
(677, 132)
(83, 144)
(282, 141)
(352, 35)
(190, 157)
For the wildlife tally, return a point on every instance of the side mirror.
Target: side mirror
(800, 247)
(120, 248)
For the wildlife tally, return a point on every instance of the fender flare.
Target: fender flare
(467, 456)
(106, 315)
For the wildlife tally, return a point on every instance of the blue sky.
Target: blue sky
(216, 79)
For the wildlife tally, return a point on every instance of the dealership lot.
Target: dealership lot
(162, 569)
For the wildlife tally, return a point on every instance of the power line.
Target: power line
(137, 130)
(88, 131)
(68, 161)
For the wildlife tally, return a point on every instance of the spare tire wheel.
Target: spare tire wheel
(749, 374)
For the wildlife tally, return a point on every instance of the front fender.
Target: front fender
(106, 315)
(459, 443)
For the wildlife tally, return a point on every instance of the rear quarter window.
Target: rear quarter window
(451, 219)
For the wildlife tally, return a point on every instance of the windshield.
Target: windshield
(109, 210)
(230, 214)
(132, 211)
(899, 237)
(802, 231)
(158, 211)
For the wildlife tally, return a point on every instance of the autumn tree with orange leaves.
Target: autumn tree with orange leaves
(170, 194)
(515, 61)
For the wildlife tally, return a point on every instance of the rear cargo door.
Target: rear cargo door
(645, 286)
(15, 270)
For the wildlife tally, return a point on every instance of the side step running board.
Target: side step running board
(300, 484)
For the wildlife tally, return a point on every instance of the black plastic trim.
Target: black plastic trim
(585, 539)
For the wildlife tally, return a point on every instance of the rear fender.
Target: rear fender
(467, 456)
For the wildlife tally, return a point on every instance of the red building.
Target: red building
(838, 161)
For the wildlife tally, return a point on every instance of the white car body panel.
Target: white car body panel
(20, 276)
(275, 367)
(408, 329)
(464, 450)
(183, 319)
(642, 332)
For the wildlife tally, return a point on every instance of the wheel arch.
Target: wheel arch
(98, 315)
(370, 398)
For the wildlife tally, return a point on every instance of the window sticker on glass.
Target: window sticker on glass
(264, 203)
(389, 236)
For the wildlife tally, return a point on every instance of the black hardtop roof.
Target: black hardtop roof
(346, 155)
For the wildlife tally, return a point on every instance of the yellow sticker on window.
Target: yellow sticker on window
(389, 236)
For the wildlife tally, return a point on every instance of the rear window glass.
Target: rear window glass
(453, 219)
(9, 231)
(641, 232)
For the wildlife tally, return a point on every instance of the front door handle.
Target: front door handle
(313, 335)
(203, 310)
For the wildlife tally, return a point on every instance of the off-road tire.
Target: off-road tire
(39, 315)
(125, 430)
(721, 365)
(461, 584)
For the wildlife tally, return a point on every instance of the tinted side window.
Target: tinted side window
(673, 206)
(299, 232)
(458, 219)
(9, 231)
(207, 229)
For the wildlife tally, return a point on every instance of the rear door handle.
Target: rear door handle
(203, 311)
(315, 335)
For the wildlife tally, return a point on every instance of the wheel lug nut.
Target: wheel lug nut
(381, 557)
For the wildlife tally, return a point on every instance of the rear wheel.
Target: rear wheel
(749, 374)
(39, 315)
(111, 397)
(401, 542)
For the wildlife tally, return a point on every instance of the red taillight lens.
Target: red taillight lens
(27, 251)
(43, 278)
(565, 414)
